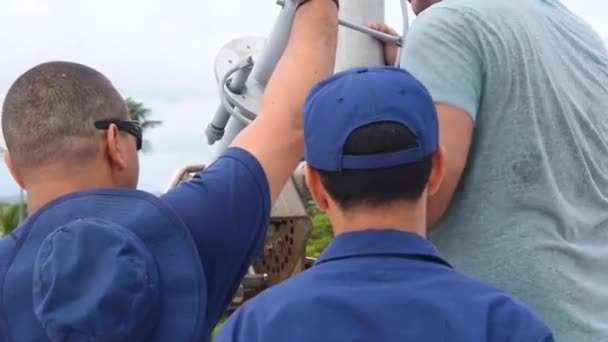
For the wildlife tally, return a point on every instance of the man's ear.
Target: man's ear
(437, 171)
(313, 182)
(115, 148)
(11, 168)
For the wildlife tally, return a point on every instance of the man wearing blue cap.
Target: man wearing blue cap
(373, 158)
(98, 260)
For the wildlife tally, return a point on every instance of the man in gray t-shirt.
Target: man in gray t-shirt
(521, 89)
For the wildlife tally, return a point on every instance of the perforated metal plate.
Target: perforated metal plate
(284, 248)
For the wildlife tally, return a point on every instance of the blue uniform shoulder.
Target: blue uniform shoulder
(507, 317)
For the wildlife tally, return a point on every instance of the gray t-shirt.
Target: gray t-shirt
(531, 212)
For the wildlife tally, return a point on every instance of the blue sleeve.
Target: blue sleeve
(7, 246)
(547, 338)
(227, 209)
(440, 50)
(511, 320)
(241, 326)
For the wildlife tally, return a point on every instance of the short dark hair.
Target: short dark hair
(49, 113)
(378, 187)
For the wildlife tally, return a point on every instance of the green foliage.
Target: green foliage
(9, 217)
(217, 328)
(321, 232)
(9, 213)
(139, 112)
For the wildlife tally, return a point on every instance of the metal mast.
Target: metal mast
(242, 68)
(357, 48)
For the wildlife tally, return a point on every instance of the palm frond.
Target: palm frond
(139, 112)
(150, 124)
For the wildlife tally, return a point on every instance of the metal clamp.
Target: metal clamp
(234, 108)
(387, 38)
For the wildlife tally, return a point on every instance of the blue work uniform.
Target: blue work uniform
(383, 285)
(226, 208)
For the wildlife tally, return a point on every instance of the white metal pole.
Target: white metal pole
(356, 48)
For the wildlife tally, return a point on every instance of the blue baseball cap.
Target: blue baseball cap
(357, 97)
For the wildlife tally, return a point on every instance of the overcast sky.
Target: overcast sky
(159, 52)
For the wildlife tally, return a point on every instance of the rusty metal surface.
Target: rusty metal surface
(284, 247)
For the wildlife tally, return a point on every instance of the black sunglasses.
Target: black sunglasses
(130, 126)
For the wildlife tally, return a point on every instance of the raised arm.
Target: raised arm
(227, 206)
(441, 52)
(275, 138)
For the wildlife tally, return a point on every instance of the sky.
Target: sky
(160, 53)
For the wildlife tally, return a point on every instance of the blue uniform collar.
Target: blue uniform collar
(386, 242)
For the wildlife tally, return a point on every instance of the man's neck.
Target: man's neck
(49, 189)
(407, 218)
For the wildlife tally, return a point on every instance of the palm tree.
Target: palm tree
(12, 215)
(141, 113)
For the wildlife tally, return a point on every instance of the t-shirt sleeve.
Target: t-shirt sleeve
(241, 326)
(227, 209)
(441, 51)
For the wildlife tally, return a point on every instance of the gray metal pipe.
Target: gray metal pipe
(262, 69)
(356, 48)
(216, 129)
(237, 83)
(276, 44)
(233, 128)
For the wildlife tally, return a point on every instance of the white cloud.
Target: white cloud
(159, 52)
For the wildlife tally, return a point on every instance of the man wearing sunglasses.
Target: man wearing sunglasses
(129, 126)
(98, 260)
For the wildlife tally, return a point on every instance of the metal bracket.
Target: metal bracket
(246, 96)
